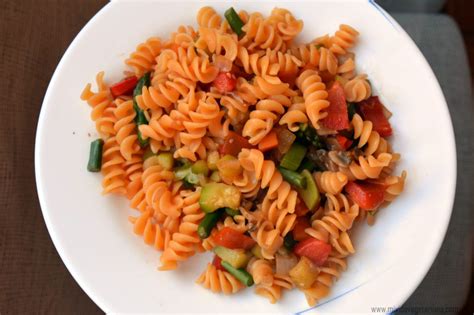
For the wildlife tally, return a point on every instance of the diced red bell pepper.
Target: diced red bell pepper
(315, 250)
(124, 87)
(230, 238)
(302, 224)
(217, 263)
(367, 195)
(372, 109)
(233, 144)
(337, 118)
(343, 142)
(301, 209)
(225, 82)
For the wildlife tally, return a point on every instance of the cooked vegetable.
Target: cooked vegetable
(95, 156)
(217, 262)
(367, 195)
(140, 118)
(284, 263)
(234, 21)
(373, 110)
(124, 87)
(257, 251)
(182, 172)
(230, 238)
(301, 209)
(225, 82)
(231, 212)
(294, 178)
(315, 250)
(301, 225)
(238, 258)
(337, 117)
(241, 275)
(165, 159)
(310, 194)
(307, 135)
(289, 242)
(343, 142)
(218, 195)
(292, 159)
(215, 177)
(208, 223)
(270, 141)
(212, 159)
(233, 144)
(200, 167)
(304, 273)
(285, 139)
(229, 167)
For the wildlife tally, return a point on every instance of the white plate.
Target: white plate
(119, 272)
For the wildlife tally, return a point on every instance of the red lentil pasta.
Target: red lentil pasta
(235, 137)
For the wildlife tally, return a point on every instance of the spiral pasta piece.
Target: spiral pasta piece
(208, 17)
(99, 101)
(357, 89)
(143, 58)
(343, 39)
(367, 167)
(261, 33)
(285, 23)
(185, 37)
(125, 129)
(183, 242)
(363, 131)
(114, 175)
(327, 61)
(307, 54)
(395, 185)
(315, 95)
(262, 119)
(347, 69)
(268, 238)
(273, 291)
(330, 182)
(192, 66)
(261, 271)
(219, 281)
(217, 42)
(258, 64)
(152, 233)
(281, 218)
(295, 116)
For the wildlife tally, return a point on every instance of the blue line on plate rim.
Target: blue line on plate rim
(378, 8)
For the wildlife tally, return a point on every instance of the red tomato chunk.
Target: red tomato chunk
(217, 263)
(337, 118)
(371, 109)
(233, 239)
(224, 82)
(315, 250)
(233, 144)
(367, 195)
(124, 87)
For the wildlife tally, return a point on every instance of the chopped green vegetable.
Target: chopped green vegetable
(292, 177)
(307, 164)
(231, 212)
(208, 223)
(182, 172)
(310, 194)
(234, 21)
(218, 195)
(95, 156)
(140, 118)
(164, 159)
(292, 159)
(351, 110)
(289, 242)
(241, 275)
(257, 251)
(307, 135)
(200, 167)
(238, 258)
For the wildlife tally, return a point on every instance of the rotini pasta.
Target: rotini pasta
(229, 137)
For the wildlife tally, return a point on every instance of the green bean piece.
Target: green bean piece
(208, 223)
(234, 21)
(95, 156)
(241, 275)
(292, 159)
(307, 164)
(292, 177)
